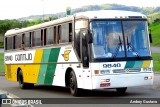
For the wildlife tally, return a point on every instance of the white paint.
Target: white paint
(14, 57)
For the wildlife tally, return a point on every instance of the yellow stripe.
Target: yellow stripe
(35, 68)
(146, 64)
(38, 56)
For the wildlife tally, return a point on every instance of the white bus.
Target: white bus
(91, 50)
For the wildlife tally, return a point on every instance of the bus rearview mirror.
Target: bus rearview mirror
(90, 38)
(150, 36)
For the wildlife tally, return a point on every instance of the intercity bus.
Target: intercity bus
(94, 50)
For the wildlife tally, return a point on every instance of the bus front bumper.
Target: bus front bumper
(122, 80)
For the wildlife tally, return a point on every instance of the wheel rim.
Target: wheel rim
(72, 83)
(20, 81)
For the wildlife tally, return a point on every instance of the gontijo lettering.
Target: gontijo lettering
(23, 57)
(19, 57)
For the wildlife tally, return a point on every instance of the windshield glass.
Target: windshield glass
(113, 38)
(135, 33)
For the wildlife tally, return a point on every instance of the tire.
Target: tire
(73, 84)
(23, 85)
(121, 91)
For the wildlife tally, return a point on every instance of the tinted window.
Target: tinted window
(27, 40)
(49, 38)
(9, 43)
(37, 38)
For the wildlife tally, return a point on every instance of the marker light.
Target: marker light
(96, 72)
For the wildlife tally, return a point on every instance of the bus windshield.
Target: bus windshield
(115, 38)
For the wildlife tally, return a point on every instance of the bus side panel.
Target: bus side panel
(10, 72)
(67, 59)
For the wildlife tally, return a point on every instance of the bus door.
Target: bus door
(87, 81)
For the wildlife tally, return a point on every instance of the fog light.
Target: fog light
(150, 77)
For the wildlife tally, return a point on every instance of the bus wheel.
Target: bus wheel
(121, 91)
(73, 84)
(23, 85)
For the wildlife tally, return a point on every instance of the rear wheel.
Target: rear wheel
(73, 84)
(121, 91)
(23, 85)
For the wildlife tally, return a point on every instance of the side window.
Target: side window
(50, 36)
(77, 42)
(18, 41)
(37, 38)
(65, 33)
(70, 32)
(9, 43)
(27, 39)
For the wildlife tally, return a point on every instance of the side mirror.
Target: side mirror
(90, 37)
(150, 36)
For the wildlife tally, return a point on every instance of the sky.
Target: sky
(13, 9)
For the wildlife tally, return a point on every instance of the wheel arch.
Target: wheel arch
(18, 71)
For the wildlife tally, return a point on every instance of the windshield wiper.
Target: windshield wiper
(118, 46)
(129, 45)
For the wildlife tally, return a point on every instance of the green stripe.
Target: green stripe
(138, 64)
(43, 67)
(54, 53)
(130, 64)
(134, 64)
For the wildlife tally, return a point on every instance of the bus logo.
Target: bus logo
(127, 70)
(66, 55)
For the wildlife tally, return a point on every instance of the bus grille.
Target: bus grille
(130, 70)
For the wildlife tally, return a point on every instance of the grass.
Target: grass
(155, 27)
(1, 62)
(156, 62)
(1, 45)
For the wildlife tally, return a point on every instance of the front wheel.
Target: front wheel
(73, 84)
(121, 91)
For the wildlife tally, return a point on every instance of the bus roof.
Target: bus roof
(101, 14)
(111, 14)
(43, 25)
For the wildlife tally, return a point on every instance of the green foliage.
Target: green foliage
(156, 62)
(1, 45)
(1, 62)
(155, 28)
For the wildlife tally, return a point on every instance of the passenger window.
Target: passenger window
(37, 38)
(18, 41)
(27, 39)
(70, 32)
(9, 43)
(50, 34)
(65, 33)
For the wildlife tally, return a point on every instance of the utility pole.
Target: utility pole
(43, 9)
